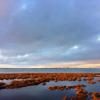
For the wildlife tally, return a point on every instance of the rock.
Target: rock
(64, 98)
(96, 95)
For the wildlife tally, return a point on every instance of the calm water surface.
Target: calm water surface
(50, 70)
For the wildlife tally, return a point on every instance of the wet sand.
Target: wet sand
(31, 79)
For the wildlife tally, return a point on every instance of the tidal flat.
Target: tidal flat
(51, 86)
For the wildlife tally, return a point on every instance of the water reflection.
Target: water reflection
(37, 88)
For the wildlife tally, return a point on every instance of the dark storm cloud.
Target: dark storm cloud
(47, 31)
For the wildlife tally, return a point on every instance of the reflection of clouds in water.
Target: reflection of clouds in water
(9, 81)
(6, 81)
(40, 92)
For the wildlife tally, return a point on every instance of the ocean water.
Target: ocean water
(41, 92)
(49, 70)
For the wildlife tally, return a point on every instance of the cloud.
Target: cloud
(49, 32)
(76, 64)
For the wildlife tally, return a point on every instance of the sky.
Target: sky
(43, 32)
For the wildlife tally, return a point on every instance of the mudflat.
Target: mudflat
(19, 80)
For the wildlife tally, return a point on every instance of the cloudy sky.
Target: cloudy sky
(37, 32)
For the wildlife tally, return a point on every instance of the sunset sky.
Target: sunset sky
(43, 32)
